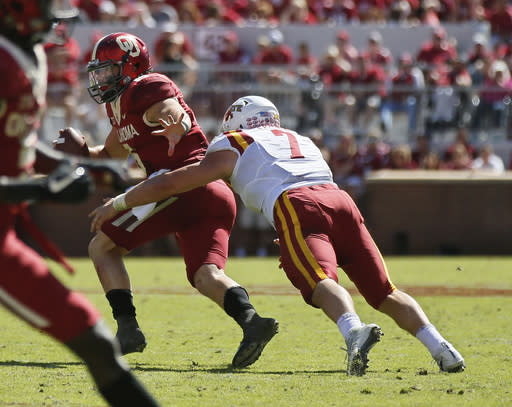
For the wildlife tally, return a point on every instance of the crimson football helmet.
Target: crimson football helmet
(249, 112)
(116, 60)
(27, 22)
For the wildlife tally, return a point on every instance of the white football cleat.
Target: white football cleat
(448, 359)
(359, 342)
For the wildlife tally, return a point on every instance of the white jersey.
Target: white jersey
(271, 160)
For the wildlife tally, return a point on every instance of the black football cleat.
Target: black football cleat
(130, 336)
(256, 336)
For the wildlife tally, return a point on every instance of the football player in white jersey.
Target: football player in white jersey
(283, 175)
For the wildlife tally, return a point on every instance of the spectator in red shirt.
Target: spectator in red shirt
(470, 10)
(400, 158)
(420, 150)
(369, 88)
(229, 59)
(277, 54)
(373, 155)
(336, 11)
(217, 13)
(460, 159)
(261, 12)
(346, 50)
(169, 33)
(500, 20)
(336, 75)
(438, 51)
(430, 14)
(479, 52)
(405, 92)
(189, 12)
(376, 53)
(494, 97)
(91, 8)
(461, 137)
(342, 162)
(232, 52)
(63, 55)
(177, 64)
(297, 12)
(449, 10)
(307, 63)
(372, 10)
(402, 11)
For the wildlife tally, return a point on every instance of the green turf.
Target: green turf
(191, 343)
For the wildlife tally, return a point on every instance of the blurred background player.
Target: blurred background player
(27, 287)
(318, 225)
(201, 219)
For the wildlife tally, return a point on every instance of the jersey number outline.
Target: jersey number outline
(294, 145)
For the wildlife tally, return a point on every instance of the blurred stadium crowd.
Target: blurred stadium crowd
(438, 107)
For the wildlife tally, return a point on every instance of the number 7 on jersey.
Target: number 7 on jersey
(294, 145)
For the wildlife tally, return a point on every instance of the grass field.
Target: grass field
(191, 342)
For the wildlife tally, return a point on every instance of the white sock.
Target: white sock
(430, 337)
(348, 321)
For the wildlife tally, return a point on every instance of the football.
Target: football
(71, 141)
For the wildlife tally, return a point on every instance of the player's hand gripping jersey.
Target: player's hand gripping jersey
(271, 160)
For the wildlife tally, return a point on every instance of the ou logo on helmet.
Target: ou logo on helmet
(129, 44)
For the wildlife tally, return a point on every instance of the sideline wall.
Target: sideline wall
(452, 212)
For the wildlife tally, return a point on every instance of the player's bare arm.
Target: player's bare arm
(217, 165)
(170, 114)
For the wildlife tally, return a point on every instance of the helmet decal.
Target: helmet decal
(128, 45)
(249, 112)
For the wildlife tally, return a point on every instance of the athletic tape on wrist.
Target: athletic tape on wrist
(119, 203)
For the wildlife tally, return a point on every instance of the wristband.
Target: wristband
(119, 203)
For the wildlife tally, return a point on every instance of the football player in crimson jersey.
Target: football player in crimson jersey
(27, 287)
(283, 175)
(201, 219)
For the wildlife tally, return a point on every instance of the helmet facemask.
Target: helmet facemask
(106, 81)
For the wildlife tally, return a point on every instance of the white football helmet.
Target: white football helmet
(249, 112)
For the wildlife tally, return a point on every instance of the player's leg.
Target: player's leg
(371, 277)
(108, 262)
(204, 245)
(310, 263)
(212, 282)
(409, 315)
(29, 290)
(101, 353)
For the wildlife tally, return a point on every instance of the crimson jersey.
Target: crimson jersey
(27, 287)
(127, 116)
(22, 100)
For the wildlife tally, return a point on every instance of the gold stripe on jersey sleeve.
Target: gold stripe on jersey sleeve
(240, 140)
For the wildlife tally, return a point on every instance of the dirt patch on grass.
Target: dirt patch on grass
(290, 290)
